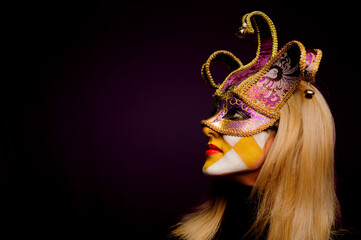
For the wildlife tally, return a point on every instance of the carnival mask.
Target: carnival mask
(249, 100)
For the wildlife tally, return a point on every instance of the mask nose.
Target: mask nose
(210, 132)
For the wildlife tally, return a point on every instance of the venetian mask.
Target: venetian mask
(249, 100)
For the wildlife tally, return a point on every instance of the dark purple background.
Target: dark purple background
(100, 113)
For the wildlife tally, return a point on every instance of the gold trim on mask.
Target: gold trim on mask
(224, 127)
(272, 112)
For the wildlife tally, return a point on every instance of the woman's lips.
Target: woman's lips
(212, 150)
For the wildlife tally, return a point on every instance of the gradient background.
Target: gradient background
(100, 113)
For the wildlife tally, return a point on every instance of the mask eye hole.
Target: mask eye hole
(236, 114)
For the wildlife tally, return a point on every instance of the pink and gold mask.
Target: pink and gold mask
(249, 100)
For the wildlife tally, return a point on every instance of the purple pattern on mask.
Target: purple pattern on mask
(310, 59)
(272, 86)
(239, 76)
(255, 121)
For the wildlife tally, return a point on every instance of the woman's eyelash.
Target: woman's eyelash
(236, 115)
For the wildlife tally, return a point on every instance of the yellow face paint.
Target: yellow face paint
(229, 154)
(248, 149)
(222, 145)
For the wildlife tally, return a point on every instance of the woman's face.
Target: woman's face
(226, 155)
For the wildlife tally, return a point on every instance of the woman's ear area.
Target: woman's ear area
(271, 136)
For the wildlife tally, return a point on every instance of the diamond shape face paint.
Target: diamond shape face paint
(233, 154)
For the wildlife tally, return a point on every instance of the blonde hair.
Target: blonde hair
(294, 192)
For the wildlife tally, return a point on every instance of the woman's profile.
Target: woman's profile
(270, 147)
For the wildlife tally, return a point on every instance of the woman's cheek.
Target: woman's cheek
(242, 153)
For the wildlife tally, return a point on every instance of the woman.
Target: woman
(270, 148)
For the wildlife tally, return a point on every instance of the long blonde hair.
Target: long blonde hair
(294, 191)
